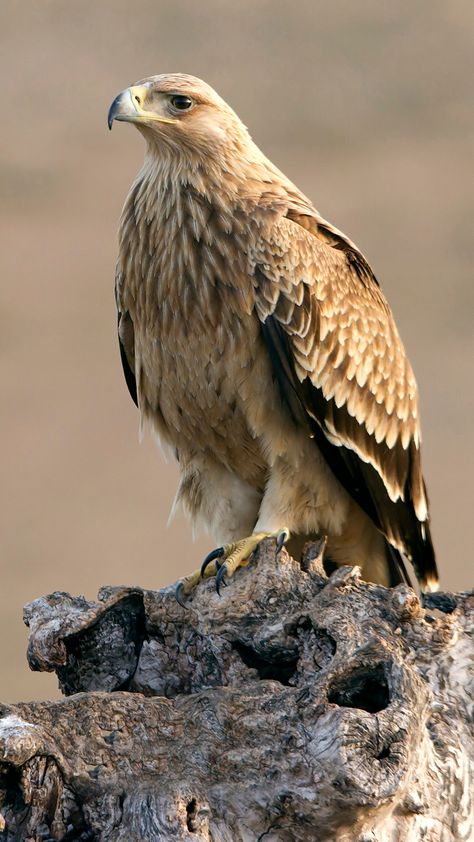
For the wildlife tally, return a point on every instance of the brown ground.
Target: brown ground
(365, 105)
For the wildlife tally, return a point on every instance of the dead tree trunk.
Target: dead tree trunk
(294, 707)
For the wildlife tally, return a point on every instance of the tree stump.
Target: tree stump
(293, 707)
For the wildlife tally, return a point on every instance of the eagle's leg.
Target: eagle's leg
(224, 561)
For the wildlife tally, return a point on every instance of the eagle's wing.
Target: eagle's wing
(344, 373)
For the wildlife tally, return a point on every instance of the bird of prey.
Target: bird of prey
(257, 343)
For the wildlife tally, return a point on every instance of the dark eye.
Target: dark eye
(181, 102)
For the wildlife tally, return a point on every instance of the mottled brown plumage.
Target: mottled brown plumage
(258, 344)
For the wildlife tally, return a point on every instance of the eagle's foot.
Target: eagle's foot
(238, 554)
(224, 561)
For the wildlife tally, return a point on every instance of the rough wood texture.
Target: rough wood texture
(294, 707)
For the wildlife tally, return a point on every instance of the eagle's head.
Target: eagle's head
(181, 112)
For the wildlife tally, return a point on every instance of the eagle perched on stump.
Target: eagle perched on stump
(257, 343)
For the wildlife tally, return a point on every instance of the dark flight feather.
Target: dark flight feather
(124, 327)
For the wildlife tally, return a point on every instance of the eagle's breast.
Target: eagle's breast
(184, 279)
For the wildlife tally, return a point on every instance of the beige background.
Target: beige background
(364, 104)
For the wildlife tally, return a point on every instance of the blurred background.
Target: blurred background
(365, 105)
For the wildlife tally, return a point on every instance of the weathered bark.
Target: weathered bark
(294, 707)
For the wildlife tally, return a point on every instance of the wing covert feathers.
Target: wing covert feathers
(342, 366)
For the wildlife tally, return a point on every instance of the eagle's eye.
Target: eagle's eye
(181, 102)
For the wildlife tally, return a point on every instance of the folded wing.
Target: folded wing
(344, 373)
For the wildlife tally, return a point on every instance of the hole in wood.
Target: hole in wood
(104, 655)
(276, 668)
(191, 815)
(443, 602)
(11, 790)
(364, 689)
(382, 755)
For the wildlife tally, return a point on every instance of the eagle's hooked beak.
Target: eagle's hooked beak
(128, 107)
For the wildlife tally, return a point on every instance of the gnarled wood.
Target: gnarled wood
(295, 707)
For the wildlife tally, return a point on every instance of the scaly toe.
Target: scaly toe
(187, 585)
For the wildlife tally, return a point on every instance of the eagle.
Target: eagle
(258, 345)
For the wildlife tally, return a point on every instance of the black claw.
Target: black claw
(179, 595)
(212, 556)
(283, 536)
(220, 578)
